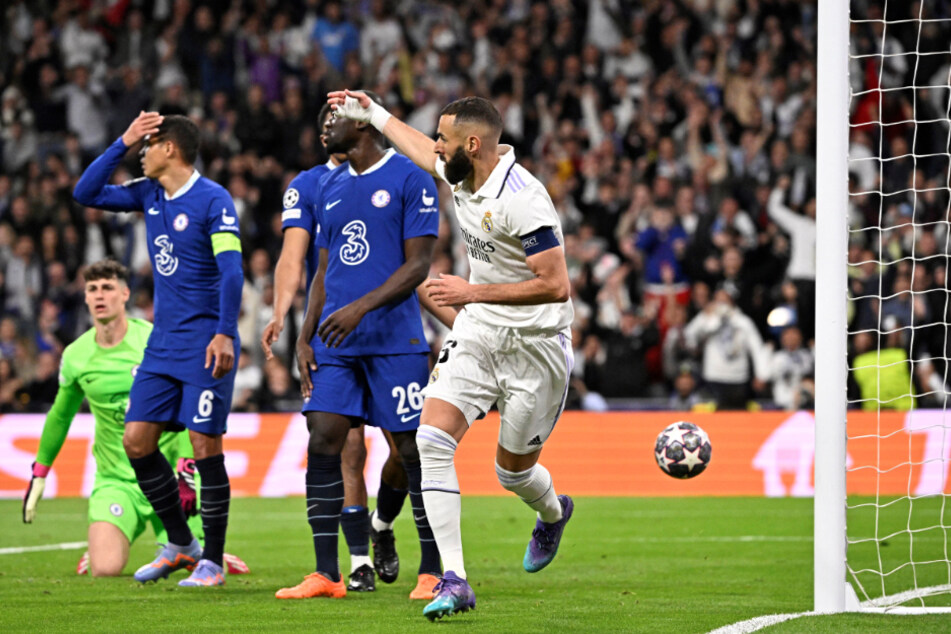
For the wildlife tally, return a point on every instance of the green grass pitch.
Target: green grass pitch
(625, 565)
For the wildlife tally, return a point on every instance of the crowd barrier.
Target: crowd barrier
(767, 453)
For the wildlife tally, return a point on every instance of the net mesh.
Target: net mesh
(899, 184)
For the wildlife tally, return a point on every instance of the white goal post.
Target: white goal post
(838, 586)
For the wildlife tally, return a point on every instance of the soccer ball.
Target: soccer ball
(682, 450)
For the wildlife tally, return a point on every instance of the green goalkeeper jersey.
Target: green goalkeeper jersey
(103, 376)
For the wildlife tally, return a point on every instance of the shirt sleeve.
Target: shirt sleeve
(420, 206)
(298, 206)
(69, 397)
(222, 217)
(530, 210)
(93, 190)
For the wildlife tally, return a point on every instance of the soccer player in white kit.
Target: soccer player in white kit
(510, 345)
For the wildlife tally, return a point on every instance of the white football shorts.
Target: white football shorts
(524, 371)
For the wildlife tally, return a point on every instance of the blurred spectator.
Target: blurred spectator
(883, 375)
(336, 36)
(790, 367)
(247, 382)
(38, 394)
(685, 396)
(279, 392)
(733, 353)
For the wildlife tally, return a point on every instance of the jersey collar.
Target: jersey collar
(184, 188)
(492, 187)
(386, 157)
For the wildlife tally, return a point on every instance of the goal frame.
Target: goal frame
(831, 591)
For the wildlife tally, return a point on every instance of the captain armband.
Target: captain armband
(539, 240)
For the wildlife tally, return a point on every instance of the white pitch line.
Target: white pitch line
(18, 550)
(758, 623)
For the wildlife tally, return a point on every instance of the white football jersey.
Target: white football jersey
(510, 204)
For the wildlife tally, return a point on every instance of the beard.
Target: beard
(458, 167)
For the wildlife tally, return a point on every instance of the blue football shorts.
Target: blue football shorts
(175, 388)
(383, 390)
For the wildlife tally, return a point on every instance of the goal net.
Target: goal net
(883, 429)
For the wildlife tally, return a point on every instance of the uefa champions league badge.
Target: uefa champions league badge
(180, 222)
(487, 222)
(291, 196)
(380, 198)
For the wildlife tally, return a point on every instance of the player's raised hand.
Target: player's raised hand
(351, 104)
(272, 332)
(306, 363)
(339, 324)
(221, 350)
(145, 124)
(34, 492)
(449, 290)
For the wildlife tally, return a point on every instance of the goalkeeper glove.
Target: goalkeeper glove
(34, 492)
(374, 114)
(186, 486)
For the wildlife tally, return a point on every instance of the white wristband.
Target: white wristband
(378, 116)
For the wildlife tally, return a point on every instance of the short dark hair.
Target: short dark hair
(322, 116)
(183, 132)
(475, 110)
(106, 270)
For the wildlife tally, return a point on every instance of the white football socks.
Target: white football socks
(536, 489)
(378, 524)
(440, 486)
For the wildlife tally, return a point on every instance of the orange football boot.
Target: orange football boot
(424, 587)
(314, 585)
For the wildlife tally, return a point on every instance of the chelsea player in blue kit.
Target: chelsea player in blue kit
(186, 377)
(366, 362)
(300, 226)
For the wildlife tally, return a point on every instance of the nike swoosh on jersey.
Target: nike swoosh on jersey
(153, 211)
(407, 419)
(197, 420)
(333, 204)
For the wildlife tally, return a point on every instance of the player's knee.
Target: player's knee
(134, 447)
(513, 480)
(434, 445)
(98, 568)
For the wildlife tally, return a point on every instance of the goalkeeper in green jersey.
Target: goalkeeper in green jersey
(99, 367)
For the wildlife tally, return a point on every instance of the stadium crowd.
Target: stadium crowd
(675, 137)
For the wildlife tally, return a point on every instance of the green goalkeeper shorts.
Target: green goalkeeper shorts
(123, 505)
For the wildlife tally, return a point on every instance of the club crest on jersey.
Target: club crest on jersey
(380, 198)
(487, 222)
(165, 262)
(291, 196)
(434, 376)
(180, 222)
(116, 509)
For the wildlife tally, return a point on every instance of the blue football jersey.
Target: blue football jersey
(178, 232)
(364, 219)
(300, 209)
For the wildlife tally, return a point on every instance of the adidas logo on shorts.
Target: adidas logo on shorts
(537, 440)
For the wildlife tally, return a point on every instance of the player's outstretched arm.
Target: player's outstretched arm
(93, 190)
(287, 276)
(315, 305)
(550, 285)
(418, 252)
(68, 399)
(415, 145)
